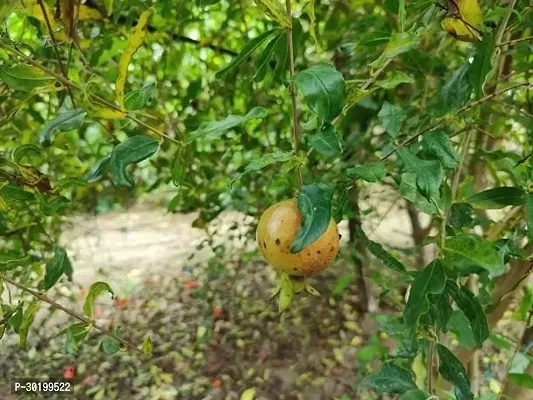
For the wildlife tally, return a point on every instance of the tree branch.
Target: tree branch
(292, 90)
(72, 313)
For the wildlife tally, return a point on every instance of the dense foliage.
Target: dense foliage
(235, 105)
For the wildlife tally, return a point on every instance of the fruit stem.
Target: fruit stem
(292, 91)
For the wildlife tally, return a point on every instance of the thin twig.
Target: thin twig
(511, 42)
(55, 46)
(292, 90)
(505, 21)
(373, 78)
(429, 365)
(72, 313)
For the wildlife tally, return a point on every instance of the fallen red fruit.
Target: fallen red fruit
(69, 372)
(191, 284)
(218, 312)
(217, 383)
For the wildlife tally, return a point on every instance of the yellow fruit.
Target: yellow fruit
(464, 20)
(278, 226)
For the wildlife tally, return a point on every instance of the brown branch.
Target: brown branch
(72, 313)
(511, 42)
(292, 90)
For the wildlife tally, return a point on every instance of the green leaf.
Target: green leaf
(391, 117)
(390, 379)
(66, 121)
(467, 252)
(380, 253)
(138, 99)
(14, 193)
(245, 52)
(431, 280)
(286, 293)
(54, 205)
(110, 345)
(497, 198)
(266, 55)
(395, 78)
(454, 372)
(470, 306)
(524, 380)
(75, 335)
(369, 172)
(258, 164)
(133, 150)
(399, 43)
(24, 77)
(429, 174)
(98, 170)
(441, 309)
(460, 326)
(409, 190)
(324, 89)
(95, 290)
(456, 92)
(314, 202)
(482, 63)
(10, 260)
(147, 346)
(23, 150)
(27, 320)
(215, 129)
(327, 141)
(70, 181)
(179, 167)
(416, 394)
(461, 215)
(437, 145)
(58, 266)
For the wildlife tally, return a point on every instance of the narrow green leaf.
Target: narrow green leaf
(454, 372)
(58, 266)
(395, 78)
(369, 172)
(266, 56)
(179, 167)
(327, 141)
(257, 164)
(147, 346)
(497, 198)
(466, 252)
(27, 320)
(24, 77)
(14, 193)
(431, 280)
(110, 345)
(441, 308)
(286, 292)
(315, 205)
(133, 150)
(401, 15)
(380, 253)
(98, 170)
(66, 121)
(137, 99)
(245, 52)
(482, 63)
(470, 306)
(95, 290)
(390, 379)
(23, 150)
(437, 145)
(215, 129)
(323, 88)
(399, 43)
(391, 117)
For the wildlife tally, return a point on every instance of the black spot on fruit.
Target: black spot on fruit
(340, 236)
(278, 241)
(264, 245)
(318, 252)
(295, 269)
